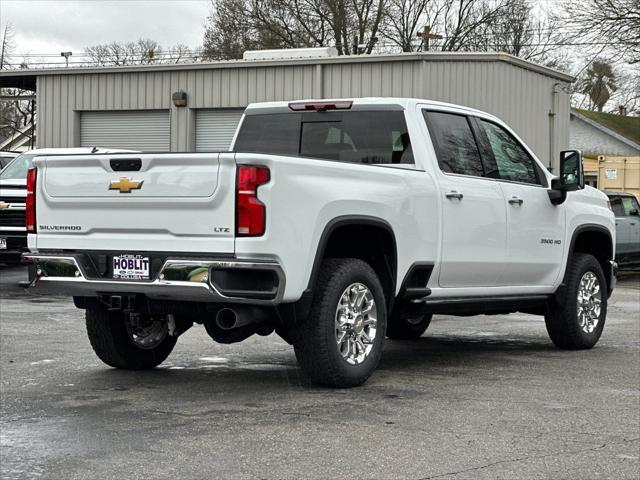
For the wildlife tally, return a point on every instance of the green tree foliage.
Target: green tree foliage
(599, 83)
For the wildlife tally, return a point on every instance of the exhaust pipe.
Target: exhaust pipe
(230, 318)
(237, 323)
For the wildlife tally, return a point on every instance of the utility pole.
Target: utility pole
(426, 35)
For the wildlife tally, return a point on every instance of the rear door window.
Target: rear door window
(455, 144)
(367, 137)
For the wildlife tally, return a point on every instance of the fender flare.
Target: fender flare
(608, 271)
(347, 220)
(588, 227)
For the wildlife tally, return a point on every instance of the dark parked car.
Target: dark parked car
(627, 211)
(6, 157)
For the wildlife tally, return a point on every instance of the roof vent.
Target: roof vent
(290, 53)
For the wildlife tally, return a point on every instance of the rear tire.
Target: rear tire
(576, 322)
(112, 337)
(340, 343)
(408, 328)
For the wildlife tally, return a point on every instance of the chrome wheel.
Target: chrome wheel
(356, 323)
(589, 301)
(147, 333)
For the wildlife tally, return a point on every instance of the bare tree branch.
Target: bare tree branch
(616, 22)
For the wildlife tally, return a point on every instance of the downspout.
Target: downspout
(553, 111)
(36, 124)
(319, 83)
(422, 75)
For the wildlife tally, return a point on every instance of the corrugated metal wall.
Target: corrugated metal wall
(215, 128)
(146, 130)
(523, 98)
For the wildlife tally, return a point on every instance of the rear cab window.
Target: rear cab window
(365, 137)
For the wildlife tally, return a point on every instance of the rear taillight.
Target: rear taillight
(250, 212)
(31, 200)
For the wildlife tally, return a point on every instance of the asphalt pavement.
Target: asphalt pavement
(475, 397)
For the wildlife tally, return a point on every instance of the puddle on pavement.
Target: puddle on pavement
(214, 359)
(42, 362)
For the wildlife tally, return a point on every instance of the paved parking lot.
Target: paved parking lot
(480, 397)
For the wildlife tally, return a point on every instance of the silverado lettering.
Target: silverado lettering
(61, 228)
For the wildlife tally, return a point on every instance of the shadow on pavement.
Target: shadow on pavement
(426, 356)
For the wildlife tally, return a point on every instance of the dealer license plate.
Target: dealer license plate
(131, 267)
(3, 243)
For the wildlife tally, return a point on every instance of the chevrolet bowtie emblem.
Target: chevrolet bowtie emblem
(125, 185)
(3, 205)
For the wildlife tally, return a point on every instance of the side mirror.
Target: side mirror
(571, 171)
(571, 176)
(634, 212)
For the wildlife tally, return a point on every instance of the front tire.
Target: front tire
(121, 343)
(408, 328)
(340, 343)
(576, 322)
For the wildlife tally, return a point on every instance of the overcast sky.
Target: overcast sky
(53, 26)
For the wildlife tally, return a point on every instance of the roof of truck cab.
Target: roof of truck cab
(373, 101)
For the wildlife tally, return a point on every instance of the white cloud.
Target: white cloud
(49, 27)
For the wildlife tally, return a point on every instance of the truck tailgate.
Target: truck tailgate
(136, 202)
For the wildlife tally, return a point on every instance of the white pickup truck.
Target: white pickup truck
(334, 223)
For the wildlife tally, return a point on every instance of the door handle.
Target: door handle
(454, 194)
(516, 201)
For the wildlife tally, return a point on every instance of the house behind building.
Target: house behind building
(610, 146)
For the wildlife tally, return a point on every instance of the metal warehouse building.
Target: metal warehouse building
(133, 107)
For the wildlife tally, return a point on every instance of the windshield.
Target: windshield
(18, 168)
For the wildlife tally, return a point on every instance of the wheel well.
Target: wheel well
(372, 243)
(599, 244)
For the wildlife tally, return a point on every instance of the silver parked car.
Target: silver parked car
(627, 211)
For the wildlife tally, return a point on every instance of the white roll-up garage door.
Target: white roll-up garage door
(137, 130)
(215, 129)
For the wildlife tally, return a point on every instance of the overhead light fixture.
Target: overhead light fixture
(179, 98)
(66, 56)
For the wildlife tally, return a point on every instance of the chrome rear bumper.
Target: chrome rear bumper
(62, 274)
